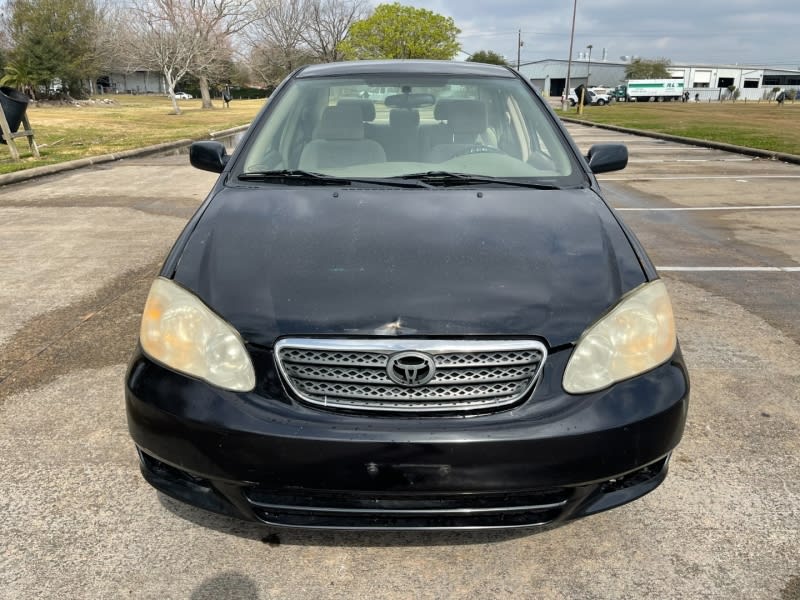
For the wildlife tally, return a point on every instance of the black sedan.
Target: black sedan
(406, 310)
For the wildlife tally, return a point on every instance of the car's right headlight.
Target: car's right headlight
(637, 335)
(181, 332)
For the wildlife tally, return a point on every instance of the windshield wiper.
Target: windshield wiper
(292, 176)
(392, 182)
(446, 178)
(311, 178)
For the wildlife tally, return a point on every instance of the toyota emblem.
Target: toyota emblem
(411, 368)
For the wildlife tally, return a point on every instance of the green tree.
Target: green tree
(397, 31)
(54, 39)
(488, 57)
(642, 68)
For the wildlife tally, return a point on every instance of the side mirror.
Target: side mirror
(208, 156)
(607, 157)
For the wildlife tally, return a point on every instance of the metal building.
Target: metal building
(710, 81)
(550, 75)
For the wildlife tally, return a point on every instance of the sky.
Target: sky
(745, 32)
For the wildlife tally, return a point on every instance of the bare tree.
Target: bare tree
(166, 39)
(115, 39)
(204, 28)
(327, 24)
(271, 63)
(276, 35)
(216, 22)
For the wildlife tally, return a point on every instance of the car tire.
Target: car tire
(601, 102)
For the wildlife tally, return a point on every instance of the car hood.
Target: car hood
(277, 261)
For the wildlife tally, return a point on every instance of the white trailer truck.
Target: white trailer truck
(654, 90)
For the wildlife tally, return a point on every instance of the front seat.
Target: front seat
(403, 141)
(466, 127)
(338, 141)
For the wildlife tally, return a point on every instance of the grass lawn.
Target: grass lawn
(756, 125)
(66, 132)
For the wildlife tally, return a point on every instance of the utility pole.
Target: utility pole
(565, 101)
(520, 43)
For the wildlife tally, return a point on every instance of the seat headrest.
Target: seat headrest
(443, 108)
(464, 116)
(367, 107)
(402, 118)
(341, 123)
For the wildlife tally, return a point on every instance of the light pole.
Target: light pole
(589, 66)
(565, 101)
(520, 44)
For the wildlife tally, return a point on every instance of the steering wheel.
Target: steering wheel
(479, 149)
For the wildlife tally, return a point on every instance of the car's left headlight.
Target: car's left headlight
(181, 332)
(637, 335)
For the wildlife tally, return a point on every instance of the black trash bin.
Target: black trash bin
(14, 105)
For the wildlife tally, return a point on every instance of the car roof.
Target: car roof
(404, 67)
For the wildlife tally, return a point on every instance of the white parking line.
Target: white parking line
(681, 148)
(687, 160)
(733, 269)
(779, 207)
(634, 149)
(696, 177)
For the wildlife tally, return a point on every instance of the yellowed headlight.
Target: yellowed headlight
(181, 332)
(636, 336)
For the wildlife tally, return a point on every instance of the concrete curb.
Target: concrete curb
(790, 158)
(35, 172)
(226, 132)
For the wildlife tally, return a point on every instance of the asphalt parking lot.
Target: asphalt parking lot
(78, 252)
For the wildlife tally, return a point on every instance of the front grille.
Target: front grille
(462, 375)
(384, 511)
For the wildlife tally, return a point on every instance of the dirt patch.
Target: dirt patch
(96, 332)
(792, 589)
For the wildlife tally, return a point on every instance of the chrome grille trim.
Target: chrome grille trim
(350, 374)
(371, 510)
(412, 511)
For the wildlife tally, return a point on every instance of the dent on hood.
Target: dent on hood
(394, 328)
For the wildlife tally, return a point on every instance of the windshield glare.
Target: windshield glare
(394, 126)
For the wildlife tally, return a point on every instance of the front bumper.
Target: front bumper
(262, 456)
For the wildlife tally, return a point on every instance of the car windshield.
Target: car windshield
(392, 126)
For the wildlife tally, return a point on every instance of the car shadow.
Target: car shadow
(274, 536)
(226, 585)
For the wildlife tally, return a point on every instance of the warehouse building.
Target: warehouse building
(710, 81)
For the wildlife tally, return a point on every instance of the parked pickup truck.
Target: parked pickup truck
(598, 97)
(654, 90)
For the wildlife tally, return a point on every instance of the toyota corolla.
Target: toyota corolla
(409, 310)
